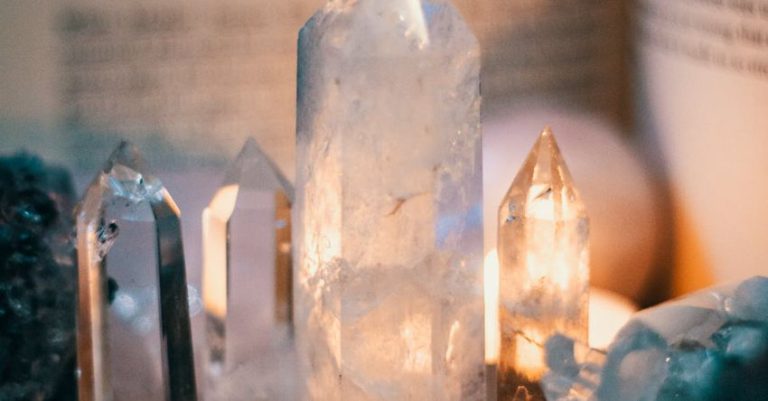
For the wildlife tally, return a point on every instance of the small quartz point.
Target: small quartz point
(247, 279)
(122, 190)
(388, 226)
(544, 271)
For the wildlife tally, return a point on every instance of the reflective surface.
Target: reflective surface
(544, 272)
(124, 189)
(247, 278)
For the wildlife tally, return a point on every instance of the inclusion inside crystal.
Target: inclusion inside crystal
(388, 230)
(128, 224)
(544, 272)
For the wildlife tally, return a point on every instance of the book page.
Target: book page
(702, 84)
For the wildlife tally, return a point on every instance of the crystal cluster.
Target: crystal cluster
(543, 268)
(388, 207)
(36, 282)
(247, 281)
(124, 192)
(710, 346)
(574, 369)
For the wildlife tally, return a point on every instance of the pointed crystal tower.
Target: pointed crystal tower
(388, 209)
(247, 264)
(544, 268)
(121, 191)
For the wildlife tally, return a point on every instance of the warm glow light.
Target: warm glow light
(540, 261)
(416, 333)
(529, 355)
(491, 284)
(543, 247)
(215, 219)
(608, 313)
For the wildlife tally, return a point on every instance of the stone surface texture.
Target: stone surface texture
(37, 277)
(543, 268)
(388, 206)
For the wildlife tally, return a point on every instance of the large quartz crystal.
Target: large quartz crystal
(125, 196)
(709, 346)
(247, 281)
(543, 268)
(389, 238)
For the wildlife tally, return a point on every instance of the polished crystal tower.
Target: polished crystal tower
(544, 268)
(388, 209)
(247, 266)
(123, 191)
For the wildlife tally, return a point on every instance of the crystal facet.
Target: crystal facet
(247, 274)
(544, 272)
(708, 346)
(712, 345)
(389, 239)
(573, 370)
(124, 189)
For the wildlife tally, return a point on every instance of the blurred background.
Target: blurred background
(659, 108)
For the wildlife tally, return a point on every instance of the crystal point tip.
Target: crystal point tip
(545, 162)
(125, 154)
(543, 174)
(126, 148)
(254, 168)
(250, 146)
(546, 144)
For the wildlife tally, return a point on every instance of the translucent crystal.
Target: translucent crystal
(125, 194)
(388, 233)
(573, 370)
(544, 271)
(247, 278)
(709, 346)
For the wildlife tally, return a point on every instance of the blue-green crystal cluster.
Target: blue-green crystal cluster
(712, 346)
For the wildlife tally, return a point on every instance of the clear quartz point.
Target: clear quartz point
(544, 271)
(122, 190)
(389, 237)
(247, 276)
